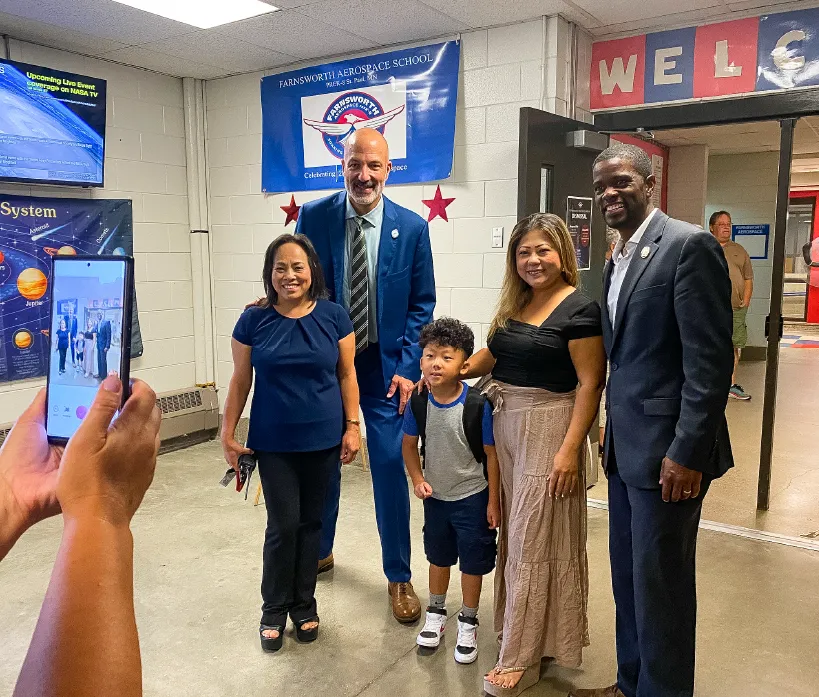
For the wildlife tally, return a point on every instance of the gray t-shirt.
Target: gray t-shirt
(449, 466)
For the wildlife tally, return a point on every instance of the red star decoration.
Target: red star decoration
(292, 210)
(437, 205)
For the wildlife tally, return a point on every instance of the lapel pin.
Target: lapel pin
(644, 252)
(394, 234)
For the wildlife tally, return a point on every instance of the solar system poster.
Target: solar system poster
(32, 231)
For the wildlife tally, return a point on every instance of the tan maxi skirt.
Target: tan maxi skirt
(541, 578)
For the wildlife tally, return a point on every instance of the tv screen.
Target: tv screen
(52, 126)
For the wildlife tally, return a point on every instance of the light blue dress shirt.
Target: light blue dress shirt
(371, 223)
(621, 258)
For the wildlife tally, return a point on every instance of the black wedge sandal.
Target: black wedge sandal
(305, 636)
(269, 644)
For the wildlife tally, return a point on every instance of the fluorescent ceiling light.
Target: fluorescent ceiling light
(202, 13)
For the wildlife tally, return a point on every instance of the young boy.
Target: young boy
(461, 498)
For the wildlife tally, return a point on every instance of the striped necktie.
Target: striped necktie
(359, 288)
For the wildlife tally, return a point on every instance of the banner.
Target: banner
(408, 95)
(32, 230)
(755, 54)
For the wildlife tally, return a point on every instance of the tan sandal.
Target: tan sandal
(530, 677)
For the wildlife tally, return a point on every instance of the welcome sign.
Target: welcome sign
(409, 96)
(772, 52)
(32, 231)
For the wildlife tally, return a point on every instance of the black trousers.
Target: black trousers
(62, 358)
(653, 545)
(102, 363)
(295, 486)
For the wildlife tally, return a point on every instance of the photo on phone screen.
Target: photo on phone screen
(89, 335)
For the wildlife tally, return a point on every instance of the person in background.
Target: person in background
(62, 344)
(377, 259)
(86, 640)
(461, 502)
(545, 354)
(89, 349)
(303, 420)
(71, 325)
(667, 333)
(103, 339)
(741, 272)
(612, 237)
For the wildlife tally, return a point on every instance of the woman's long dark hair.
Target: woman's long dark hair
(317, 289)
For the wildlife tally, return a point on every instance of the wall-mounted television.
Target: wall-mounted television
(52, 126)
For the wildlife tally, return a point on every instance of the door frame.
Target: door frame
(785, 107)
(812, 298)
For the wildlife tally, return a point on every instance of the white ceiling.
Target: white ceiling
(313, 29)
(761, 136)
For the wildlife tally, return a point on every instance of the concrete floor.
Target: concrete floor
(794, 502)
(198, 566)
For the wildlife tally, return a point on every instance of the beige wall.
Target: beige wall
(687, 182)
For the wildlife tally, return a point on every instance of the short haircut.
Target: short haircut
(631, 153)
(318, 288)
(612, 236)
(716, 215)
(448, 331)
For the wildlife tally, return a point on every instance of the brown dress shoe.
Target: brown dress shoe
(326, 564)
(405, 604)
(610, 691)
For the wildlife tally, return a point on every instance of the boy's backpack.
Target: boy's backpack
(472, 420)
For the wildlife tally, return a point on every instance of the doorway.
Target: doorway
(774, 486)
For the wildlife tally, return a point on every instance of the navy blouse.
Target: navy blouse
(296, 403)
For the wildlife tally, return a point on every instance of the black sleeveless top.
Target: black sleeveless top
(529, 356)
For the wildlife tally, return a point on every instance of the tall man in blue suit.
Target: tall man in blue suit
(667, 327)
(377, 260)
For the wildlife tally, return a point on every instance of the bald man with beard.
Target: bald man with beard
(377, 260)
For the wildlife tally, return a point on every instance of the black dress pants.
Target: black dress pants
(653, 545)
(295, 486)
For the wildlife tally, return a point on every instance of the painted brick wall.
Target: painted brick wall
(144, 161)
(502, 70)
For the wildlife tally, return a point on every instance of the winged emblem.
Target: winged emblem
(351, 123)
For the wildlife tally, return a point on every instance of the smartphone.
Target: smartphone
(89, 335)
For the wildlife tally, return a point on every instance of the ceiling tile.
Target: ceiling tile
(385, 21)
(649, 23)
(57, 37)
(211, 47)
(163, 63)
(489, 14)
(620, 11)
(295, 34)
(103, 18)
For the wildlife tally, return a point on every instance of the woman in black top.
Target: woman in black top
(546, 357)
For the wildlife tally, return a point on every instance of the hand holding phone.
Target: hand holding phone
(107, 467)
(92, 298)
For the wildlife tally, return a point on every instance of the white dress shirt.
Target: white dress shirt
(621, 258)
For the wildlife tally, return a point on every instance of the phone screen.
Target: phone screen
(87, 336)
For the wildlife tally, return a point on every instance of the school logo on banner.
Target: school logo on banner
(409, 96)
(327, 128)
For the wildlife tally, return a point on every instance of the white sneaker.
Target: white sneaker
(466, 648)
(434, 626)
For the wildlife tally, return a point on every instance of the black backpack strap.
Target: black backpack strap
(418, 404)
(473, 423)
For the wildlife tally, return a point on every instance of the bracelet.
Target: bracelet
(355, 422)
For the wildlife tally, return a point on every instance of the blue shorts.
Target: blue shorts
(458, 531)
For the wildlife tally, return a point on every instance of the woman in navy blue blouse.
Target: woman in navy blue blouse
(303, 419)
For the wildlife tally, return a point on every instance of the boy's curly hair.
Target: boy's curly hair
(448, 331)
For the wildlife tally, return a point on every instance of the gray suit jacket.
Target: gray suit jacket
(671, 356)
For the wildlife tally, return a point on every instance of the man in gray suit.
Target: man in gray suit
(667, 326)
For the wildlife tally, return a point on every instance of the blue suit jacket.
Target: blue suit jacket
(671, 355)
(405, 285)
